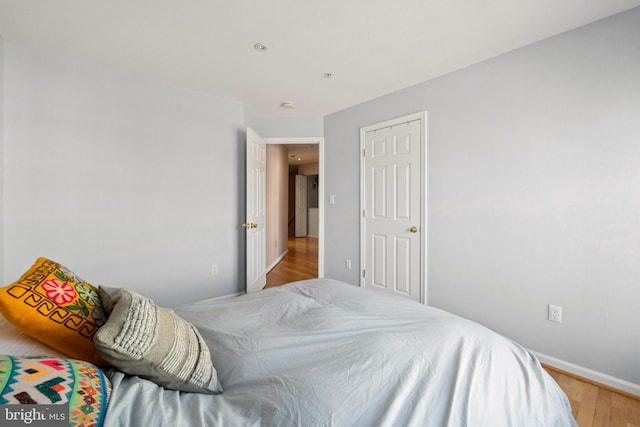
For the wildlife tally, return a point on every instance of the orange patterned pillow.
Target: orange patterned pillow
(54, 306)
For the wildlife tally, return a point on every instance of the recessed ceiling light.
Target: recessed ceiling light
(260, 47)
(287, 104)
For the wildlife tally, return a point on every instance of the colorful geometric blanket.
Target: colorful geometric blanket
(59, 381)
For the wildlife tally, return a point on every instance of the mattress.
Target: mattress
(325, 353)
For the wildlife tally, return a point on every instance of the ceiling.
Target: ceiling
(370, 48)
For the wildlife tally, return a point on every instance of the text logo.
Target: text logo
(34, 415)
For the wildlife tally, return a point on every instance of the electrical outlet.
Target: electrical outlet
(347, 264)
(555, 313)
(214, 270)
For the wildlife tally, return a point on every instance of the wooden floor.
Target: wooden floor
(597, 406)
(592, 405)
(300, 263)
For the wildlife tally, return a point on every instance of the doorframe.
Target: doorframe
(320, 142)
(422, 116)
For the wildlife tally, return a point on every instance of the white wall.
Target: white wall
(533, 192)
(277, 203)
(284, 127)
(127, 182)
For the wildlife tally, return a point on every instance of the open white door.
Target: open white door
(255, 213)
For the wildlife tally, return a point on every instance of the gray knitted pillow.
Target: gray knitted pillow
(140, 338)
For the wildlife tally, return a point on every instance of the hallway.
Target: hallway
(300, 263)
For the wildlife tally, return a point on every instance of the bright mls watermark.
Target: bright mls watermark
(34, 415)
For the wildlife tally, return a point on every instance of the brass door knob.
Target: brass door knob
(413, 229)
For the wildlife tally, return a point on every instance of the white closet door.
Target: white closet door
(392, 218)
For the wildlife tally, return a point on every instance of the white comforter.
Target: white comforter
(324, 353)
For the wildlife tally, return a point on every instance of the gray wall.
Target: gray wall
(312, 191)
(533, 192)
(127, 182)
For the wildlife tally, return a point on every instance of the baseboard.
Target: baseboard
(237, 294)
(280, 258)
(595, 376)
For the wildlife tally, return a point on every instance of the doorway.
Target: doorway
(295, 219)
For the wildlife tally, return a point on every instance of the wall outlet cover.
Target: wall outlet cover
(555, 313)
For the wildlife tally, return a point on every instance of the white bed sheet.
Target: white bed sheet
(324, 353)
(16, 343)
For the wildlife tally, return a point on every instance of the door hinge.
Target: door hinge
(364, 274)
(364, 152)
(364, 213)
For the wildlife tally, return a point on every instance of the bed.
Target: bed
(325, 353)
